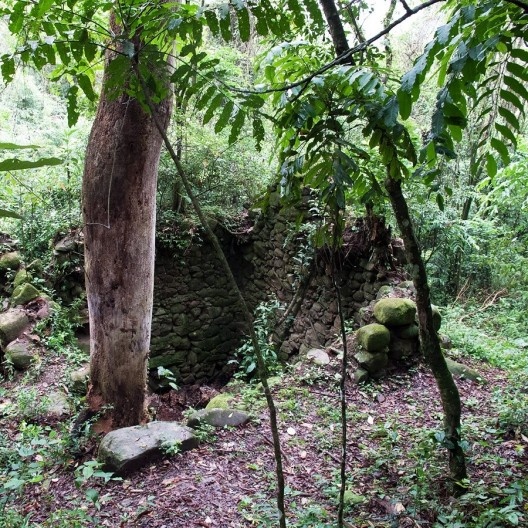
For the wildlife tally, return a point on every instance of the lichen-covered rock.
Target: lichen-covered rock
(218, 418)
(79, 379)
(125, 450)
(395, 311)
(21, 355)
(57, 404)
(9, 261)
(12, 324)
(462, 371)
(21, 277)
(220, 401)
(23, 294)
(373, 363)
(373, 337)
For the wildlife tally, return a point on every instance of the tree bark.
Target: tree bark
(119, 210)
(335, 25)
(429, 338)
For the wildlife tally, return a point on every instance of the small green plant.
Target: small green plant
(167, 377)
(171, 447)
(92, 469)
(266, 315)
(205, 433)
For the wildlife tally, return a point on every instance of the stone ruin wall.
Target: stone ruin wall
(197, 326)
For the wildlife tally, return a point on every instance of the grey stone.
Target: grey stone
(57, 404)
(12, 324)
(318, 356)
(220, 401)
(374, 364)
(403, 348)
(407, 332)
(125, 450)
(218, 418)
(20, 355)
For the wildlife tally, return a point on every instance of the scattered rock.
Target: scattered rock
(318, 356)
(373, 363)
(373, 337)
(445, 342)
(218, 418)
(79, 379)
(220, 401)
(12, 324)
(9, 261)
(361, 376)
(125, 450)
(437, 318)
(462, 371)
(57, 405)
(20, 354)
(23, 294)
(395, 311)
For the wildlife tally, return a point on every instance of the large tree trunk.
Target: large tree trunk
(119, 209)
(428, 337)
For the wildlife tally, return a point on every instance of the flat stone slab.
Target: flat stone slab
(462, 371)
(125, 450)
(218, 418)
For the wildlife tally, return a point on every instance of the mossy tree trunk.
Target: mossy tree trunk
(119, 210)
(429, 338)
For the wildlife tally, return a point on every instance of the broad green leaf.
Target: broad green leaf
(18, 164)
(244, 29)
(501, 148)
(512, 99)
(86, 86)
(258, 131)
(440, 201)
(5, 213)
(215, 103)
(225, 115)
(520, 53)
(71, 105)
(516, 86)
(236, 126)
(507, 133)
(8, 68)
(225, 25)
(491, 165)
(212, 22)
(14, 146)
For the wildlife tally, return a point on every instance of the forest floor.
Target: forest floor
(396, 467)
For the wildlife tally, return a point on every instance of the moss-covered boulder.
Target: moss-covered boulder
(21, 277)
(23, 294)
(220, 401)
(12, 324)
(395, 311)
(21, 355)
(9, 261)
(373, 337)
(373, 363)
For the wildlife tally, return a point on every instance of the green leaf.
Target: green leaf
(215, 103)
(405, 104)
(236, 127)
(17, 164)
(510, 118)
(491, 165)
(225, 25)
(440, 201)
(86, 86)
(7, 68)
(512, 99)
(516, 86)
(224, 117)
(14, 146)
(243, 24)
(501, 148)
(5, 213)
(258, 131)
(212, 22)
(71, 105)
(507, 133)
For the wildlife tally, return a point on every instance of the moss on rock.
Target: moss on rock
(9, 261)
(395, 311)
(373, 337)
(23, 294)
